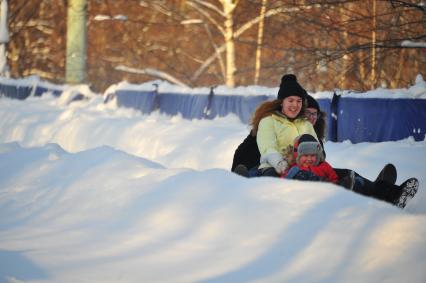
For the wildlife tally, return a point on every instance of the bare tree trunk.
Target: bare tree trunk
(259, 42)
(4, 39)
(345, 58)
(76, 42)
(373, 80)
(228, 7)
(236, 34)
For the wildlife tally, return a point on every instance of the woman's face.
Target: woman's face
(312, 115)
(291, 106)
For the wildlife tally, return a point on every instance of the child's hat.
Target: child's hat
(307, 144)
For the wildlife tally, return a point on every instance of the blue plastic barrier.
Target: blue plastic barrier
(140, 100)
(40, 90)
(16, 92)
(353, 119)
(242, 106)
(190, 106)
(377, 120)
(22, 92)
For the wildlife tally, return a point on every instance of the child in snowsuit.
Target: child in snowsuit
(309, 162)
(310, 165)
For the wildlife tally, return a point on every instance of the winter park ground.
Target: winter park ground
(93, 193)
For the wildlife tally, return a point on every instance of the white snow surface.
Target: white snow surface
(93, 193)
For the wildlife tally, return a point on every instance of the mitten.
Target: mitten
(288, 154)
(275, 160)
(281, 166)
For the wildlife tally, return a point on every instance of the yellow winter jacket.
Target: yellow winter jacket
(275, 133)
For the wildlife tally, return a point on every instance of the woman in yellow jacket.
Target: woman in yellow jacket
(277, 123)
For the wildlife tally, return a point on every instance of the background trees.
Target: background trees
(327, 44)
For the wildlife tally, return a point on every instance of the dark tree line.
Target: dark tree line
(328, 44)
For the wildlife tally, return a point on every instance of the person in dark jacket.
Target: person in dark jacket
(275, 125)
(247, 156)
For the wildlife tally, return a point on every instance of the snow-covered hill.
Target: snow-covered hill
(91, 193)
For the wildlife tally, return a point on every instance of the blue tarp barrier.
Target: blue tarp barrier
(140, 100)
(376, 120)
(354, 119)
(242, 106)
(17, 92)
(190, 106)
(22, 92)
(40, 90)
(348, 118)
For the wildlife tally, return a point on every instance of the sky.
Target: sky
(90, 192)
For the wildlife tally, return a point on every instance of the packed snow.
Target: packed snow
(94, 193)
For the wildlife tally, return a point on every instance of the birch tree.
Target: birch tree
(259, 41)
(230, 33)
(224, 9)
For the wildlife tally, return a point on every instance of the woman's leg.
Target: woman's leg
(253, 172)
(346, 176)
(267, 172)
(380, 190)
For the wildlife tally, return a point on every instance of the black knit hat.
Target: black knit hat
(290, 87)
(312, 103)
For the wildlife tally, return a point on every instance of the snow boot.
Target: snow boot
(241, 170)
(388, 174)
(408, 191)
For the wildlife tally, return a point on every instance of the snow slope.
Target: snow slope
(91, 193)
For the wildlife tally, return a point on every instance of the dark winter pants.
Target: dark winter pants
(379, 190)
(267, 172)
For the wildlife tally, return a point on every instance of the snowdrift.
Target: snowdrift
(94, 193)
(102, 215)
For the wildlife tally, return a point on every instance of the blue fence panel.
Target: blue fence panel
(40, 90)
(22, 92)
(348, 118)
(190, 106)
(140, 100)
(16, 92)
(242, 106)
(377, 120)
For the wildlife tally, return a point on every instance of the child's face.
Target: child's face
(307, 160)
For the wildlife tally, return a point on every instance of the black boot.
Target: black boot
(388, 174)
(386, 191)
(397, 195)
(408, 191)
(241, 170)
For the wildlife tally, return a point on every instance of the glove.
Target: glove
(275, 160)
(281, 166)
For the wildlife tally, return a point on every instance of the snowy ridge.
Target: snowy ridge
(94, 193)
(131, 219)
